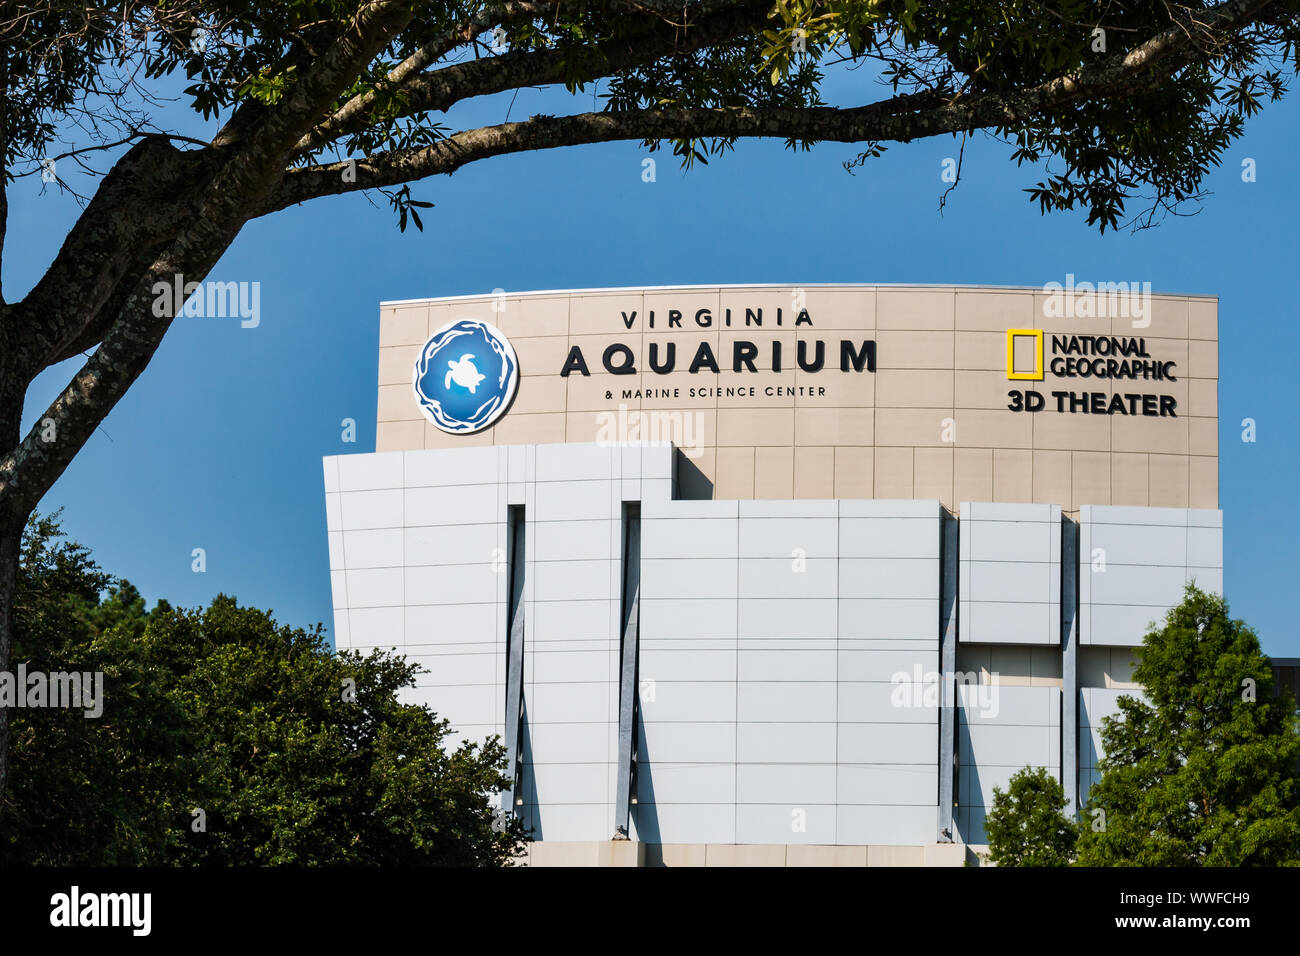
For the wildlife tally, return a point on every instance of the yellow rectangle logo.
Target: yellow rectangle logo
(1032, 376)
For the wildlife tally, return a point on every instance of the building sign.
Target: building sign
(465, 376)
(740, 355)
(1073, 358)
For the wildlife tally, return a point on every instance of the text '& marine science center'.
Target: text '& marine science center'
(777, 575)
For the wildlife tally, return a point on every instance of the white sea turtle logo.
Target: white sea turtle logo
(464, 373)
(465, 376)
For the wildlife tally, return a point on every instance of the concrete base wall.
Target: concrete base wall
(632, 853)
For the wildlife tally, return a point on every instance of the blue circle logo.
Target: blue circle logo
(465, 376)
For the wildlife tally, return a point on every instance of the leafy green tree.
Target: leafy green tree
(310, 757)
(1027, 824)
(293, 755)
(298, 100)
(90, 791)
(1202, 772)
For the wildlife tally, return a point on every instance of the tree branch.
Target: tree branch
(141, 203)
(239, 186)
(28, 470)
(441, 89)
(154, 189)
(276, 128)
(93, 333)
(354, 114)
(1143, 68)
(4, 161)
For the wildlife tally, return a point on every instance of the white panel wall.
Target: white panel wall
(571, 606)
(414, 543)
(1001, 730)
(1134, 562)
(1010, 575)
(772, 637)
(686, 791)
(573, 497)
(1095, 705)
(770, 631)
(888, 733)
(787, 670)
(788, 651)
(418, 556)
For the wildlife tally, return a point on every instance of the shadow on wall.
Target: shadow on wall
(1286, 676)
(688, 481)
(645, 812)
(966, 785)
(528, 789)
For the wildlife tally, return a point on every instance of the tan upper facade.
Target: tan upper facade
(934, 419)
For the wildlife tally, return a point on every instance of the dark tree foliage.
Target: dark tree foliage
(94, 791)
(1200, 770)
(293, 755)
(1027, 824)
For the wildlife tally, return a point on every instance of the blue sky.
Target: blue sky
(219, 444)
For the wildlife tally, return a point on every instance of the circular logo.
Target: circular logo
(465, 376)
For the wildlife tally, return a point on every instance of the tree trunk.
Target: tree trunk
(11, 536)
(10, 539)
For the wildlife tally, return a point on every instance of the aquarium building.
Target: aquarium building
(779, 575)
